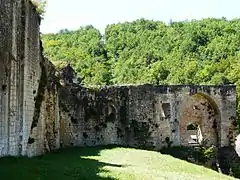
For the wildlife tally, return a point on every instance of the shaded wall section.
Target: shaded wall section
(146, 116)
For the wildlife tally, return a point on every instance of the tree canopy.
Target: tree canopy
(143, 51)
(40, 5)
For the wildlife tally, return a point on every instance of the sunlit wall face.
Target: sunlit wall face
(237, 145)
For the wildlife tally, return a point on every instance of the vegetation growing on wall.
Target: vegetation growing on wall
(40, 5)
(192, 52)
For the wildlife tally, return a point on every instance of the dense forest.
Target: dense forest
(143, 51)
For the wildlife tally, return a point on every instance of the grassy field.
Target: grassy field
(100, 163)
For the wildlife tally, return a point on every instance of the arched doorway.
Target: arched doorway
(199, 121)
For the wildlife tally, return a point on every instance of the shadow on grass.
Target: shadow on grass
(65, 164)
(191, 155)
(227, 158)
(181, 152)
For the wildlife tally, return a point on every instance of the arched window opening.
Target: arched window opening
(195, 135)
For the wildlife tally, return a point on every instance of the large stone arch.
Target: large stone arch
(200, 121)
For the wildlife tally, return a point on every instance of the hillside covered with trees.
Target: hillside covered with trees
(191, 52)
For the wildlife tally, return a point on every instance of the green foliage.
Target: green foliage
(201, 155)
(197, 52)
(40, 5)
(84, 49)
(235, 168)
(207, 153)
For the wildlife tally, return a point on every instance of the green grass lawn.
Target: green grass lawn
(100, 163)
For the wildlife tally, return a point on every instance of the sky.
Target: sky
(72, 14)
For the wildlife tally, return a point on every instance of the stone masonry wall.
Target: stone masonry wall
(146, 116)
(24, 99)
(40, 111)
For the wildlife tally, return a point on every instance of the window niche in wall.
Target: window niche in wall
(195, 134)
(166, 110)
(110, 113)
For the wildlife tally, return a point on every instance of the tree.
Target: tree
(144, 51)
(40, 5)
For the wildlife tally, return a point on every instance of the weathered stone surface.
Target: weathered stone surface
(148, 116)
(24, 99)
(41, 112)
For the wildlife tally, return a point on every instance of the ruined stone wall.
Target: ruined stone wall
(23, 82)
(38, 114)
(147, 116)
(11, 60)
(91, 117)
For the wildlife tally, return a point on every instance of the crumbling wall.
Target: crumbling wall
(38, 112)
(24, 76)
(198, 111)
(44, 129)
(146, 116)
(90, 117)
